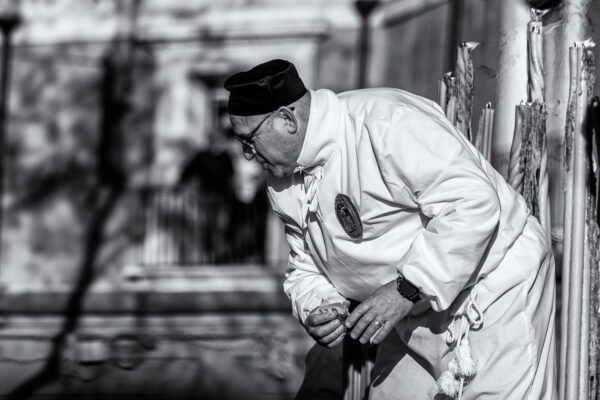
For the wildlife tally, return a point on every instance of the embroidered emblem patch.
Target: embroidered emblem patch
(347, 216)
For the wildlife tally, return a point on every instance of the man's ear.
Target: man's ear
(289, 117)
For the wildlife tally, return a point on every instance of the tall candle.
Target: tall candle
(576, 291)
(515, 172)
(568, 191)
(535, 82)
(488, 129)
(464, 83)
(543, 191)
(451, 99)
(442, 93)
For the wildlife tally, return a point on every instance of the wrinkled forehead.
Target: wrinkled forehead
(243, 125)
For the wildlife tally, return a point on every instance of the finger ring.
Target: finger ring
(377, 323)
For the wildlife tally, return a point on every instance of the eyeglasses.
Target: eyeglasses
(247, 141)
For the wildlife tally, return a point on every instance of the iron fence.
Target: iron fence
(188, 226)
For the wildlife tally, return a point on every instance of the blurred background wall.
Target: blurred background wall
(139, 257)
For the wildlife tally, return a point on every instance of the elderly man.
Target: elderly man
(384, 202)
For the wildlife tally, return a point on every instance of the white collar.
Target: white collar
(321, 131)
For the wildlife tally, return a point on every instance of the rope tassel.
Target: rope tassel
(463, 366)
(464, 360)
(448, 384)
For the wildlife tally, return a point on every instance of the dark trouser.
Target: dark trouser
(323, 377)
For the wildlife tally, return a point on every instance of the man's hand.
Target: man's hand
(375, 317)
(326, 324)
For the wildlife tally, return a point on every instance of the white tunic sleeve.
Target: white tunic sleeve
(305, 285)
(425, 156)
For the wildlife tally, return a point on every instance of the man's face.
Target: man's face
(270, 139)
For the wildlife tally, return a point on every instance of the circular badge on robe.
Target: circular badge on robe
(347, 216)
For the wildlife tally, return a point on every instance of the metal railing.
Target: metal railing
(188, 226)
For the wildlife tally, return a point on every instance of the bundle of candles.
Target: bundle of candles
(593, 237)
(527, 167)
(358, 360)
(456, 92)
(580, 243)
(595, 157)
(528, 163)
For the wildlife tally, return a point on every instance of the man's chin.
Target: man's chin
(278, 172)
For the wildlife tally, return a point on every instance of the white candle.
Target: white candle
(451, 100)
(535, 83)
(515, 172)
(576, 291)
(568, 189)
(464, 83)
(488, 129)
(442, 93)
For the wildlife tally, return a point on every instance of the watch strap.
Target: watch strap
(407, 289)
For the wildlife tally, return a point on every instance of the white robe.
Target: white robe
(431, 208)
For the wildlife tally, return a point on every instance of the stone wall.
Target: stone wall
(109, 100)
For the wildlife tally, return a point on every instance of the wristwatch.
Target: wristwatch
(407, 289)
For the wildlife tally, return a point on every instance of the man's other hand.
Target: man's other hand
(377, 315)
(326, 324)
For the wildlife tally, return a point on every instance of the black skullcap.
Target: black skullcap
(264, 88)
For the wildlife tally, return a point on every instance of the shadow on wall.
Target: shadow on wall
(103, 202)
(100, 200)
